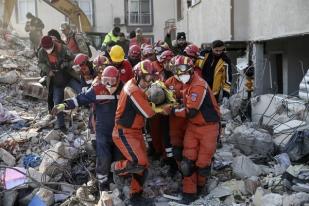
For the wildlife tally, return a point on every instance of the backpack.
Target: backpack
(83, 43)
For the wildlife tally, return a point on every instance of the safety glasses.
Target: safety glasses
(109, 81)
(180, 69)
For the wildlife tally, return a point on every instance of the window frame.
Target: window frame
(139, 22)
(19, 15)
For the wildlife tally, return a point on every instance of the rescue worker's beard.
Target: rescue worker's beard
(184, 78)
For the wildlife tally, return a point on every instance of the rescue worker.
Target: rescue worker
(179, 45)
(104, 94)
(84, 67)
(99, 64)
(139, 39)
(203, 115)
(148, 52)
(177, 125)
(133, 108)
(35, 28)
(111, 38)
(217, 71)
(75, 42)
(123, 65)
(159, 47)
(124, 43)
(55, 62)
(193, 52)
(134, 55)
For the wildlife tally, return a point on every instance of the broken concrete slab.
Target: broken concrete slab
(52, 135)
(236, 186)
(272, 199)
(271, 110)
(288, 126)
(252, 141)
(221, 191)
(243, 167)
(257, 198)
(299, 198)
(7, 158)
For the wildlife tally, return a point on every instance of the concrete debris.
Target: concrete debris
(9, 78)
(251, 184)
(299, 198)
(7, 158)
(288, 126)
(244, 171)
(272, 199)
(243, 167)
(52, 135)
(252, 141)
(304, 87)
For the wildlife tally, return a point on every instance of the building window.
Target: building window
(23, 7)
(139, 12)
(179, 10)
(86, 6)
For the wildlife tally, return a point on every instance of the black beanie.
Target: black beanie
(181, 35)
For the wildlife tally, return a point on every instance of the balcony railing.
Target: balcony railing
(139, 18)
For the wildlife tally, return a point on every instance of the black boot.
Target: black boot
(138, 200)
(187, 198)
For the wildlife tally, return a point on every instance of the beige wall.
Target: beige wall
(267, 19)
(105, 12)
(207, 21)
(50, 17)
(163, 10)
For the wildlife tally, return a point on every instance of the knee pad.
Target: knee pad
(187, 167)
(205, 171)
(177, 152)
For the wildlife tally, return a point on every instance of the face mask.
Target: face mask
(49, 51)
(184, 78)
(111, 89)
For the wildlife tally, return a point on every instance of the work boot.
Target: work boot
(188, 198)
(138, 200)
(130, 169)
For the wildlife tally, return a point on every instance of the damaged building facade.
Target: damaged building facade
(277, 30)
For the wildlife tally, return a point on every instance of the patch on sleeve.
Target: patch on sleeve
(194, 97)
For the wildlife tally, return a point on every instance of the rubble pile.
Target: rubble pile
(262, 162)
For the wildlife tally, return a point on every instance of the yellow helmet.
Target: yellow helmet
(117, 54)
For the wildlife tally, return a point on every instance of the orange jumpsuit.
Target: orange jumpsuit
(200, 140)
(133, 107)
(177, 125)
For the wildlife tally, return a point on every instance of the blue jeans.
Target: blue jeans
(58, 97)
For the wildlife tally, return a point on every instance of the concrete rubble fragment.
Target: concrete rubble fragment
(243, 167)
(7, 158)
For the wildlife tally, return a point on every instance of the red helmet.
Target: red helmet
(192, 51)
(134, 52)
(80, 59)
(160, 46)
(147, 51)
(183, 64)
(165, 56)
(145, 70)
(47, 42)
(110, 76)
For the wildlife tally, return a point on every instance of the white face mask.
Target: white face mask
(111, 90)
(184, 78)
(49, 51)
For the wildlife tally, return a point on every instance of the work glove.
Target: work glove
(58, 108)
